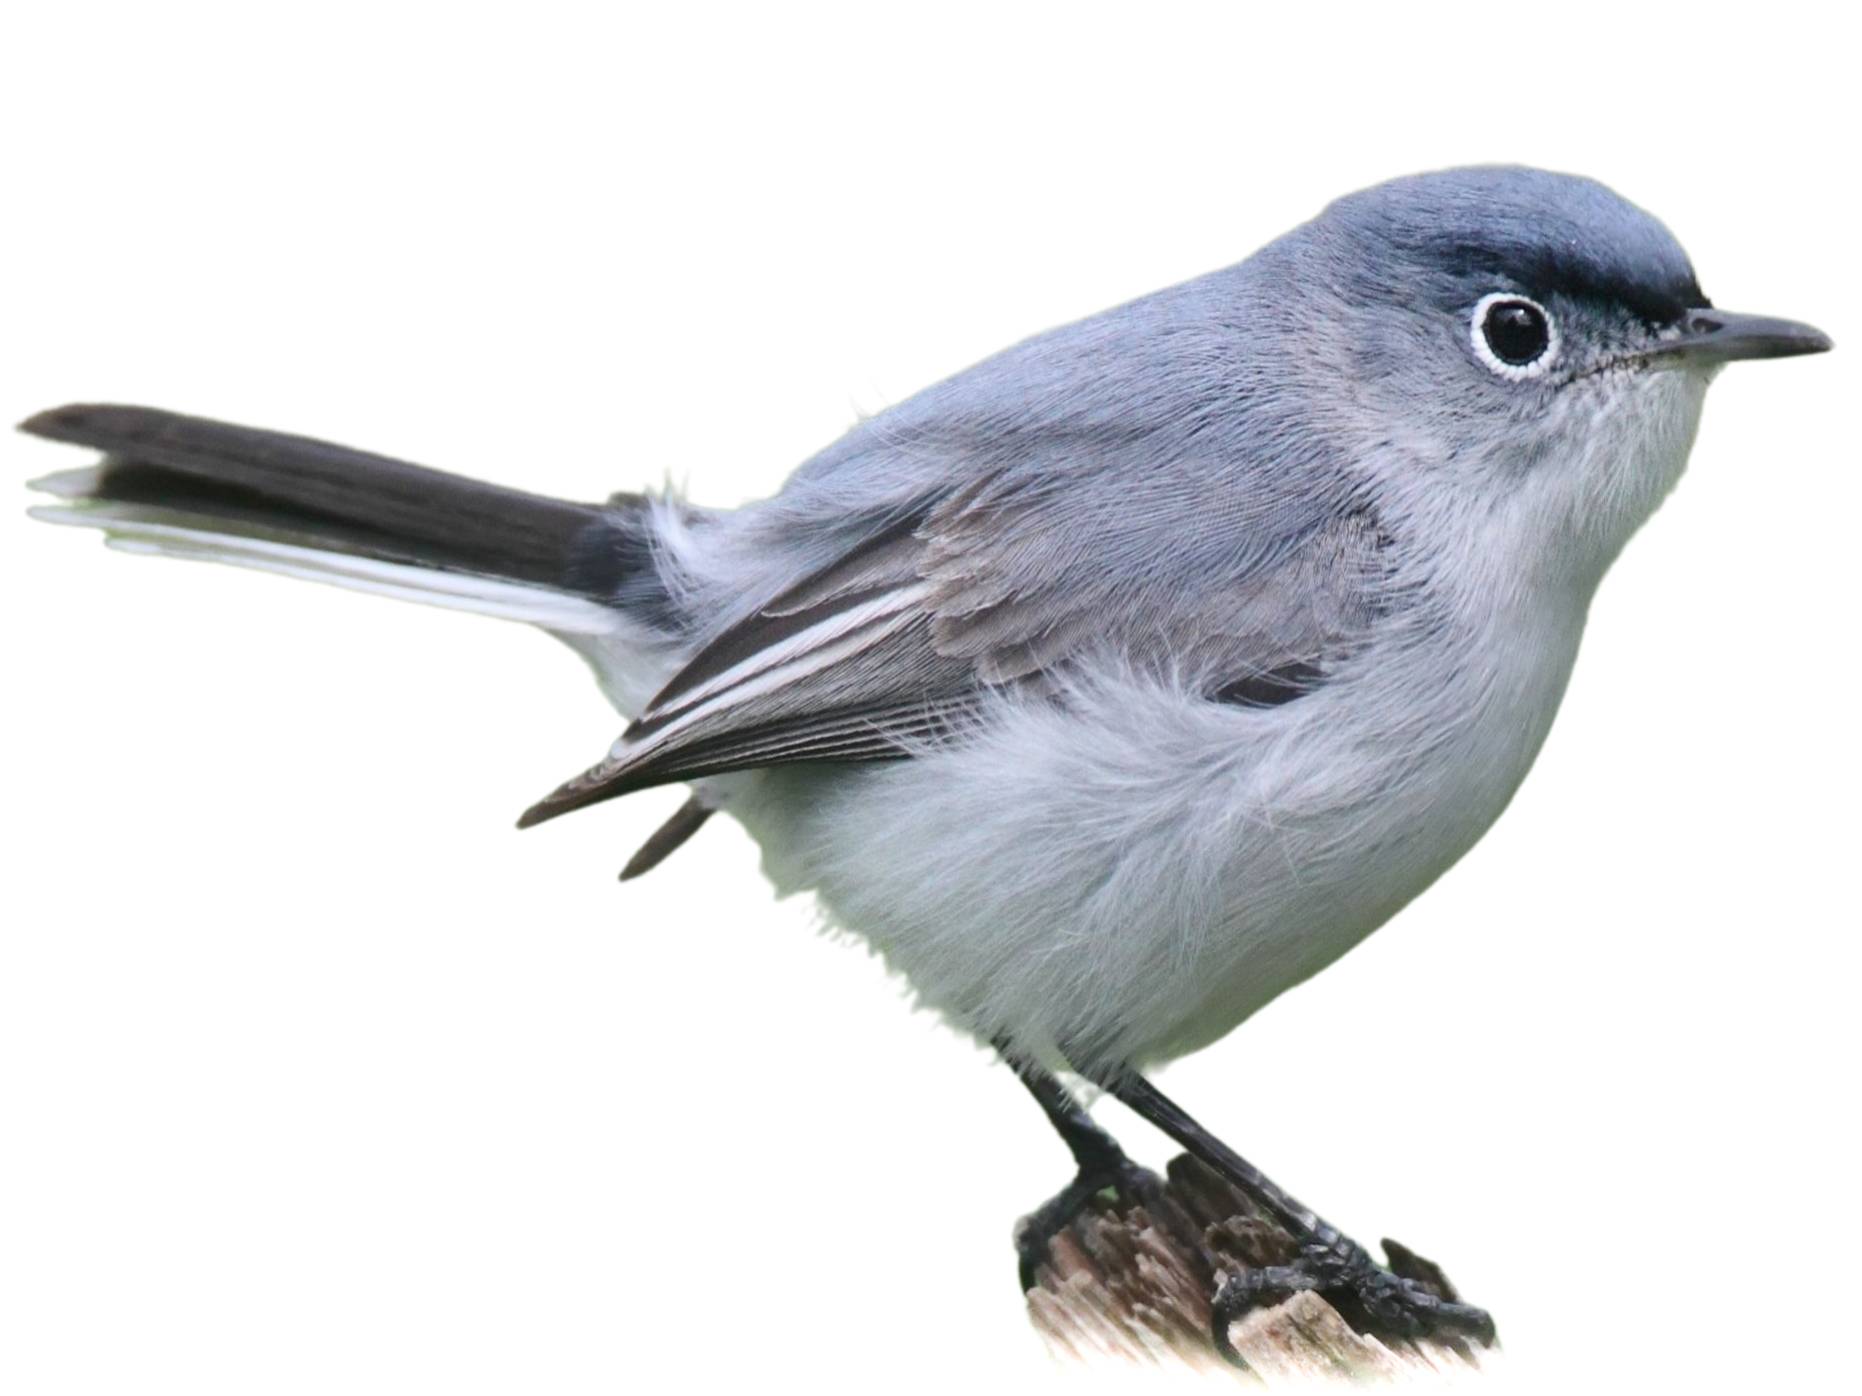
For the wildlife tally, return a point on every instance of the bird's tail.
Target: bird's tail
(192, 488)
(188, 487)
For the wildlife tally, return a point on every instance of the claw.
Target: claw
(1036, 1231)
(1237, 1296)
(1398, 1302)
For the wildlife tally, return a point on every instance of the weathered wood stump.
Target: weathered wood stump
(1122, 1282)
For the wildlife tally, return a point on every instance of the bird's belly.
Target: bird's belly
(1344, 876)
(1126, 880)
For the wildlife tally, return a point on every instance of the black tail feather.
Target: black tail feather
(666, 840)
(264, 482)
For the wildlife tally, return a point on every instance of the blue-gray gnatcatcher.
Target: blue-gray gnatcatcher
(1124, 680)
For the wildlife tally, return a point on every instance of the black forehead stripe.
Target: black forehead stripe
(1546, 271)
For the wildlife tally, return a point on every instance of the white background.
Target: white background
(316, 1076)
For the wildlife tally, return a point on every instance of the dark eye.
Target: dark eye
(1513, 335)
(1516, 331)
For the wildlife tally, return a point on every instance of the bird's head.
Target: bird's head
(1537, 342)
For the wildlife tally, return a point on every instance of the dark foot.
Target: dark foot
(1113, 1181)
(1410, 1299)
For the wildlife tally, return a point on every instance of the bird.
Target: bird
(1112, 686)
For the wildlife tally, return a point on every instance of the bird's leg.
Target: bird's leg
(1407, 1299)
(1103, 1166)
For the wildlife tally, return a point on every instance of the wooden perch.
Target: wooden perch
(1120, 1281)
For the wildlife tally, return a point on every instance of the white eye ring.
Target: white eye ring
(1477, 336)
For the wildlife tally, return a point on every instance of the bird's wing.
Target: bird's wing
(1008, 580)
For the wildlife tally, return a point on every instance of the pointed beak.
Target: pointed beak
(1710, 337)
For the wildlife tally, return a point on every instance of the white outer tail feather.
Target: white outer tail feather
(137, 530)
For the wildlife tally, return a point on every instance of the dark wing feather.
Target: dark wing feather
(897, 641)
